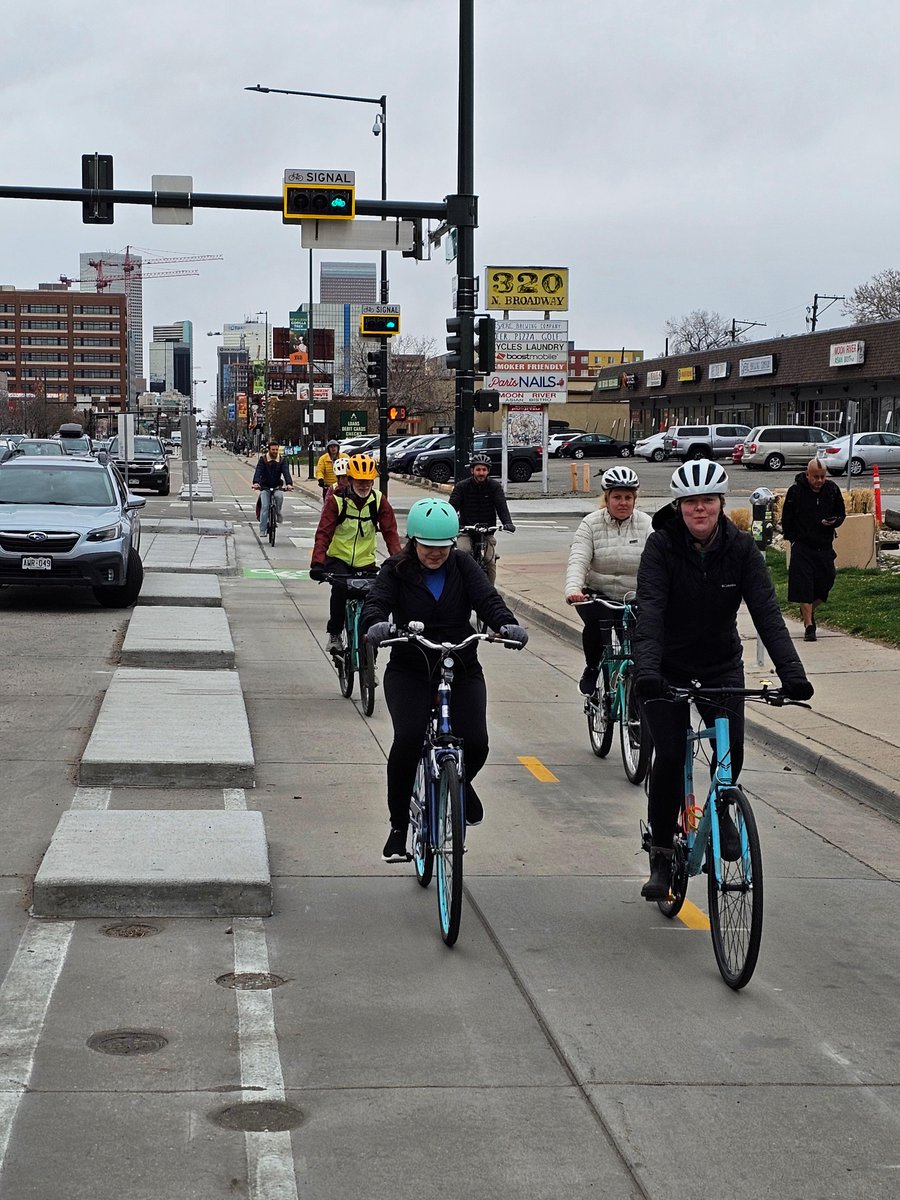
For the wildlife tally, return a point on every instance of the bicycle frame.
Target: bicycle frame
(697, 833)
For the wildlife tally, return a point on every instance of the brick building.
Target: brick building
(803, 380)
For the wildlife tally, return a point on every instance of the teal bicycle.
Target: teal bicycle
(734, 887)
(613, 700)
(356, 656)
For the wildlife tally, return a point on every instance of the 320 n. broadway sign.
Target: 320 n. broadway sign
(532, 288)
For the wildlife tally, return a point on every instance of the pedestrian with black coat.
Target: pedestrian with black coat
(813, 510)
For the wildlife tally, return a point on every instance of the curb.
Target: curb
(835, 769)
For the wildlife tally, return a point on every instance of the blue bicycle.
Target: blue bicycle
(437, 806)
(734, 888)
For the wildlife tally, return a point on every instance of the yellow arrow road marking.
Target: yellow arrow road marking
(693, 917)
(538, 770)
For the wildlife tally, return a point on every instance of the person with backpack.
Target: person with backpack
(346, 538)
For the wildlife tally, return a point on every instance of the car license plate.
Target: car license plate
(31, 562)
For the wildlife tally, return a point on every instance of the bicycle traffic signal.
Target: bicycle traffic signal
(379, 324)
(97, 172)
(373, 370)
(485, 345)
(318, 202)
(397, 412)
(460, 341)
(487, 401)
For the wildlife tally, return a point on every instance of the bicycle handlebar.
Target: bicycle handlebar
(615, 605)
(483, 529)
(765, 694)
(413, 635)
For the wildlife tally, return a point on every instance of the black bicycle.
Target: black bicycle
(478, 536)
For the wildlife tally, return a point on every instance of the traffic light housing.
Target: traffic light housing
(318, 202)
(485, 345)
(97, 173)
(487, 401)
(373, 370)
(397, 412)
(379, 324)
(460, 341)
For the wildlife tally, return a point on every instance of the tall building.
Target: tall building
(65, 346)
(171, 358)
(109, 272)
(347, 283)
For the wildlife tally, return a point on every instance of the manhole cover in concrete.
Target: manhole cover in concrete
(250, 981)
(130, 930)
(259, 1116)
(127, 1041)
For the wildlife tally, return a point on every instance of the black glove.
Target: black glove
(322, 484)
(317, 572)
(649, 687)
(509, 527)
(379, 632)
(514, 633)
(797, 687)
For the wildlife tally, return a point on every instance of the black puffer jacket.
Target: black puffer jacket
(805, 510)
(480, 503)
(401, 594)
(688, 603)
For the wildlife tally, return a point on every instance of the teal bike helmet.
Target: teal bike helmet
(433, 523)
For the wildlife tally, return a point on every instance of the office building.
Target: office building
(171, 358)
(110, 273)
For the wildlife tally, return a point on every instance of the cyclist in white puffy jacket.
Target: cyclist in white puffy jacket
(604, 557)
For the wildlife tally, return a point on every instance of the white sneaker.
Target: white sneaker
(335, 644)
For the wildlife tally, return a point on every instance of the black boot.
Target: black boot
(659, 884)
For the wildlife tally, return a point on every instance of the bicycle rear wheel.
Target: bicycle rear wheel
(367, 678)
(423, 854)
(736, 900)
(345, 671)
(450, 848)
(600, 728)
(635, 742)
(671, 907)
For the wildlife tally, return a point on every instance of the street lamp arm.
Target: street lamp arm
(380, 100)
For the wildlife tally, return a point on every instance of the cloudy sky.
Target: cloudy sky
(673, 156)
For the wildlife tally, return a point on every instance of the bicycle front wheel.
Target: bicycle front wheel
(672, 906)
(367, 678)
(635, 742)
(450, 847)
(736, 895)
(272, 521)
(423, 854)
(600, 728)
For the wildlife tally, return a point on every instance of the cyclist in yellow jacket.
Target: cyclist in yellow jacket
(325, 466)
(346, 537)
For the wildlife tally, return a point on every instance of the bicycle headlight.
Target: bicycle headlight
(108, 533)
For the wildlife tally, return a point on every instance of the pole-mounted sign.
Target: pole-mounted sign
(311, 195)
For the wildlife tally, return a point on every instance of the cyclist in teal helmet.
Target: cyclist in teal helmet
(432, 582)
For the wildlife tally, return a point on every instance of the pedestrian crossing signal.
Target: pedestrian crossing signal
(397, 412)
(318, 202)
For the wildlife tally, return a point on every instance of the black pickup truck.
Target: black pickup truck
(521, 461)
(148, 467)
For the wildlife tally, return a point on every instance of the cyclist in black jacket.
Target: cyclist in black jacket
(480, 500)
(696, 569)
(271, 472)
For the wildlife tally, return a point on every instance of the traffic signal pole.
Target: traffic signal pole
(462, 211)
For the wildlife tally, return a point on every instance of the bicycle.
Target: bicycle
(478, 536)
(437, 805)
(356, 656)
(271, 513)
(613, 700)
(734, 889)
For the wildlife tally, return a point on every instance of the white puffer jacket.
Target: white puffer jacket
(605, 554)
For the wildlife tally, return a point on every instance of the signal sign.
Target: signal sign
(373, 324)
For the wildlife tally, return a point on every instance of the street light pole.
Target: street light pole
(264, 312)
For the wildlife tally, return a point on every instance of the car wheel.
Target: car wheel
(578, 454)
(440, 473)
(699, 452)
(775, 462)
(625, 452)
(857, 466)
(125, 594)
(164, 490)
(520, 472)
(658, 455)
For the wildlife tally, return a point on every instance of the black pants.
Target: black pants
(811, 573)
(337, 566)
(409, 697)
(668, 723)
(597, 632)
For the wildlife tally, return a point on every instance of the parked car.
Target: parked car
(704, 441)
(653, 448)
(596, 445)
(555, 440)
(356, 445)
(776, 446)
(438, 465)
(402, 460)
(148, 466)
(737, 454)
(71, 522)
(870, 450)
(32, 446)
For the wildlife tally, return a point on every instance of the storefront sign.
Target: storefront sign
(629, 381)
(717, 370)
(846, 354)
(532, 288)
(608, 385)
(687, 374)
(764, 365)
(354, 422)
(654, 379)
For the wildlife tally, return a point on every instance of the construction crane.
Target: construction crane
(130, 268)
(128, 265)
(101, 281)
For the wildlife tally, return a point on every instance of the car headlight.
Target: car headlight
(108, 533)
(159, 466)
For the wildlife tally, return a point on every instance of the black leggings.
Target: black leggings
(668, 723)
(409, 697)
(337, 566)
(597, 632)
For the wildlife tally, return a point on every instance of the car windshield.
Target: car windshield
(44, 485)
(142, 445)
(40, 448)
(75, 445)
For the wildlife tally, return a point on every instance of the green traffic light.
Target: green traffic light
(339, 202)
(390, 324)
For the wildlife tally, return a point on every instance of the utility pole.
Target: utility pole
(735, 332)
(462, 211)
(812, 314)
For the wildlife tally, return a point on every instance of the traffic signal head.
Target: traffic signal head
(97, 173)
(379, 324)
(460, 339)
(373, 370)
(487, 401)
(397, 412)
(485, 343)
(318, 202)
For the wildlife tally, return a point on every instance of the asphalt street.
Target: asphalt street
(574, 1043)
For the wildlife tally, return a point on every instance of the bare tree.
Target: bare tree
(417, 377)
(877, 300)
(699, 330)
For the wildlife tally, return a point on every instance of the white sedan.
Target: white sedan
(652, 447)
(869, 450)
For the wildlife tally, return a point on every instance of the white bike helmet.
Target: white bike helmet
(340, 465)
(699, 477)
(619, 477)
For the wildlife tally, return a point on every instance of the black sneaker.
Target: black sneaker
(658, 885)
(395, 847)
(729, 838)
(474, 808)
(810, 635)
(587, 685)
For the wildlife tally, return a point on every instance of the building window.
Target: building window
(43, 308)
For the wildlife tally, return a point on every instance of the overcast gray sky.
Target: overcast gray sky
(673, 156)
